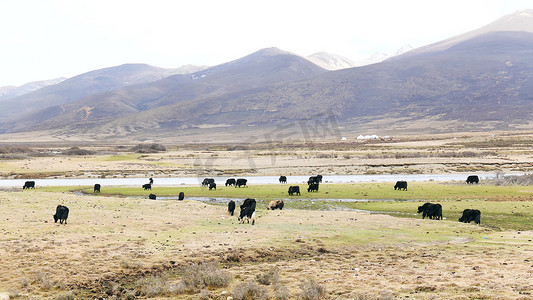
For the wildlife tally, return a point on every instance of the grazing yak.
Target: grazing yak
(212, 185)
(247, 211)
(294, 190)
(432, 211)
(472, 179)
(231, 207)
(275, 204)
(283, 179)
(61, 214)
(97, 188)
(240, 182)
(207, 181)
(181, 196)
(29, 185)
(147, 186)
(315, 179)
(470, 215)
(313, 187)
(400, 185)
(230, 182)
(152, 197)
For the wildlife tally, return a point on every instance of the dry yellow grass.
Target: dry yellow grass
(110, 242)
(457, 153)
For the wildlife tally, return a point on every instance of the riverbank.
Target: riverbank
(251, 180)
(506, 207)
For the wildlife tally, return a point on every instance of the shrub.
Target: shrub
(281, 292)
(269, 277)
(199, 276)
(148, 148)
(312, 290)
(78, 151)
(249, 291)
(15, 149)
(204, 295)
(66, 296)
(153, 286)
(16, 152)
(526, 179)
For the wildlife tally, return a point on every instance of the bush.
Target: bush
(526, 179)
(281, 292)
(15, 149)
(199, 276)
(249, 291)
(153, 286)
(148, 148)
(312, 290)
(16, 152)
(66, 296)
(269, 277)
(78, 151)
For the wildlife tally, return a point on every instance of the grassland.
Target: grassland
(464, 153)
(120, 245)
(127, 247)
(371, 191)
(506, 207)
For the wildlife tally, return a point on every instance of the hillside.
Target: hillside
(330, 61)
(80, 86)
(481, 80)
(484, 83)
(14, 91)
(262, 68)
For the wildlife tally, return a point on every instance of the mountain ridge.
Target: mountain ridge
(481, 80)
(264, 67)
(14, 91)
(521, 21)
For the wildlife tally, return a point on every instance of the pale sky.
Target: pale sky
(46, 39)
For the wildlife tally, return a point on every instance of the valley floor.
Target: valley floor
(125, 247)
(122, 247)
(467, 153)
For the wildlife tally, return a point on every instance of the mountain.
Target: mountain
(520, 21)
(262, 68)
(333, 62)
(481, 80)
(330, 61)
(81, 86)
(188, 69)
(13, 91)
(380, 56)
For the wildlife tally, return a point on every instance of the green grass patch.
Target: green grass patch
(370, 191)
(507, 214)
(498, 214)
(61, 189)
(122, 157)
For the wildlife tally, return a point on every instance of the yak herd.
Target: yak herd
(247, 214)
